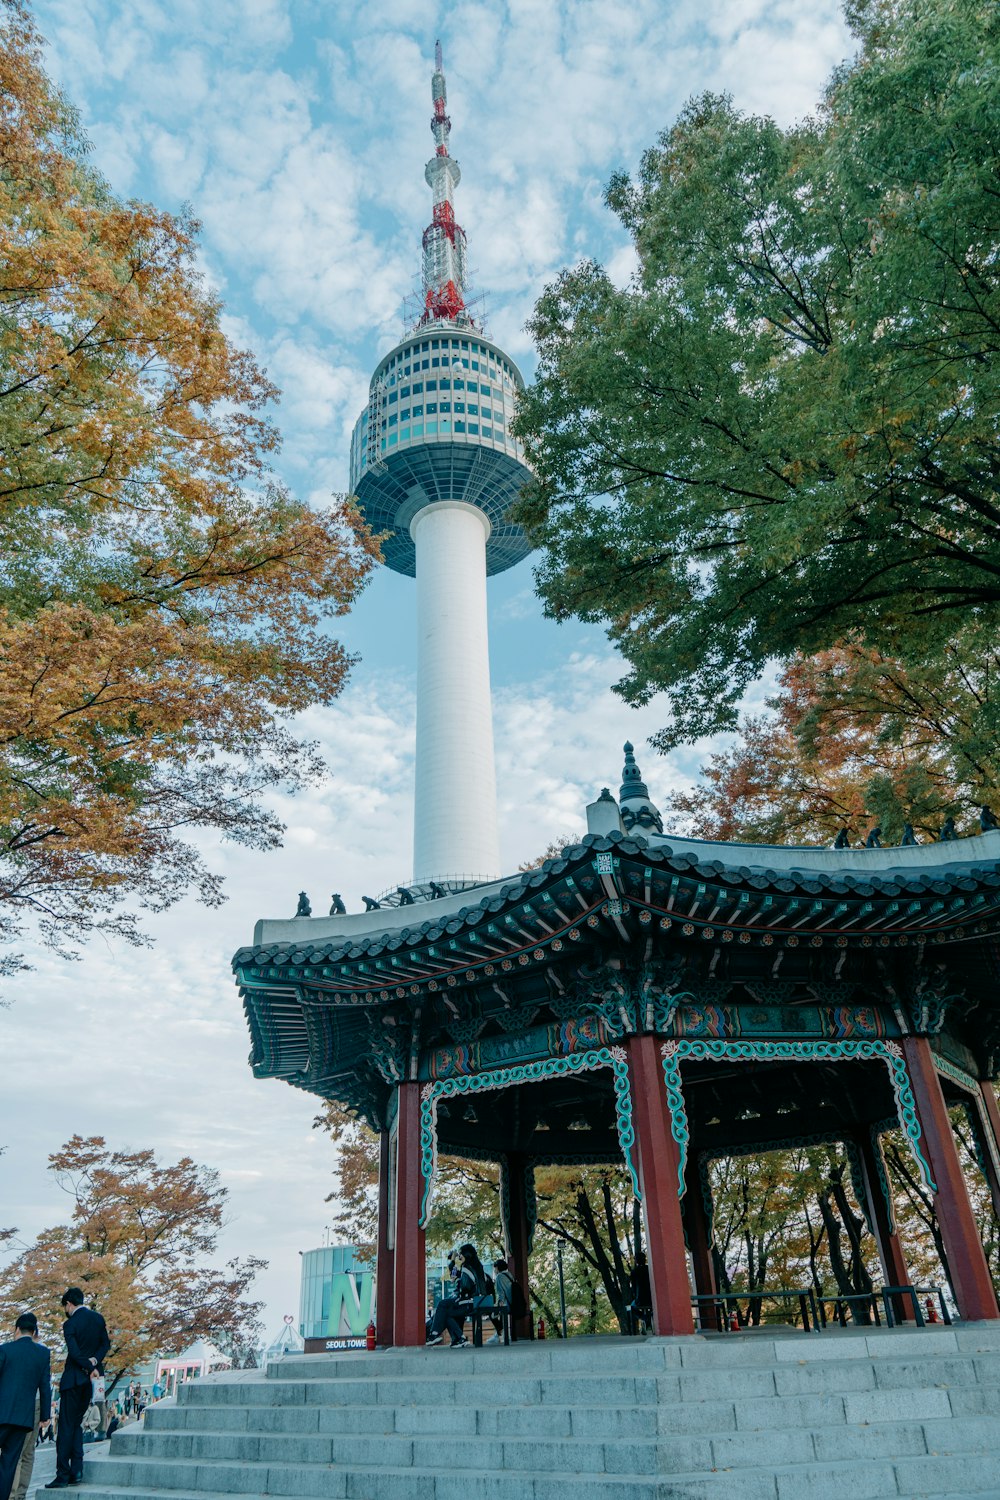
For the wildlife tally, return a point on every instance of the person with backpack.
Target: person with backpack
(470, 1291)
(509, 1294)
(503, 1283)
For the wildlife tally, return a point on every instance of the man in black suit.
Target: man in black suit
(24, 1374)
(87, 1343)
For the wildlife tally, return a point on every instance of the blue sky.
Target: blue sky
(297, 131)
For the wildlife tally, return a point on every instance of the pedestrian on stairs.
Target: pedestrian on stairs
(24, 1377)
(26, 1467)
(87, 1343)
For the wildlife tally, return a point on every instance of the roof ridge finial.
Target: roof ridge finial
(639, 814)
(444, 263)
(632, 782)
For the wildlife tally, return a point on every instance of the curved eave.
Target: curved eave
(619, 887)
(293, 1041)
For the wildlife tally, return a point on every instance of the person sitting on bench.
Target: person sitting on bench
(470, 1292)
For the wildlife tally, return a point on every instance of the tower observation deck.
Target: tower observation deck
(434, 465)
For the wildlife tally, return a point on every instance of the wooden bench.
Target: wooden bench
(498, 1311)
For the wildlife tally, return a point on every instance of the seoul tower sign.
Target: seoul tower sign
(434, 465)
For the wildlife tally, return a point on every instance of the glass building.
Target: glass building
(337, 1294)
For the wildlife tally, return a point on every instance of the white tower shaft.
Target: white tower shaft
(455, 821)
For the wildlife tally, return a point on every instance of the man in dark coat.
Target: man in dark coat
(24, 1374)
(87, 1343)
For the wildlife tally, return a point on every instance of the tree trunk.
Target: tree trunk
(553, 1327)
(922, 1203)
(615, 1292)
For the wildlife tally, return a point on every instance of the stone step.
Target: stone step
(804, 1377)
(848, 1416)
(646, 1354)
(748, 1454)
(723, 1351)
(795, 1412)
(214, 1481)
(564, 1454)
(847, 1479)
(450, 1386)
(445, 1421)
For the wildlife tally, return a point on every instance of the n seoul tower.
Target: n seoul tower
(434, 465)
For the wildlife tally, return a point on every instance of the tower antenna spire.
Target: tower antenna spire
(436, 470)
(444, 260)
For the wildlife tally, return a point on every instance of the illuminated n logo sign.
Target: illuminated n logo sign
(351, 1299)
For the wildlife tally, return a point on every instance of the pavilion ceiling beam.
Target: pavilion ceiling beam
(514, 925)
(723, 899)
(742, 910)
(539, 921)
(494, 947)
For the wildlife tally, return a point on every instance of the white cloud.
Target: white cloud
(622, 265)
(299, 133)
(149, 1048)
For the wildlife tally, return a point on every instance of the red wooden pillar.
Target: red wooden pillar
(657, 1163)
(409, 1314)
(970, 1274)
(989, 1114)
(887, 1241)
(695, 1216)
(517, 1230)
(385, 1254)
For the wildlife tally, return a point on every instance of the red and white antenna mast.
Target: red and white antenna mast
(444, 268)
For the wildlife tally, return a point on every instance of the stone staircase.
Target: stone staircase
(845, 1414)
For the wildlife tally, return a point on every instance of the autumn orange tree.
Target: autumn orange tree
(354, 1215)
(852, 737)
(138, 1241)
(164, 601)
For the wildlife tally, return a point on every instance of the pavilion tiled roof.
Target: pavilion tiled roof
(936, 899)
(313, 991)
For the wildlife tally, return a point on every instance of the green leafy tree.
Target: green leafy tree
(919, 1229)
(591, 1212)
(782, 434)
(354, 1196)
(783, 1219)
(787, 1220)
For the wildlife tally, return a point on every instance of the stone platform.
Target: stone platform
(839, 1415)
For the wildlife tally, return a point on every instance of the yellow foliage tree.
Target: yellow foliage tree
(163, 600)
(138, 1236)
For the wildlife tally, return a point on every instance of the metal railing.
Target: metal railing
(726, 1304)
(914, 1293)
(420, 890)
(812, 1309)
